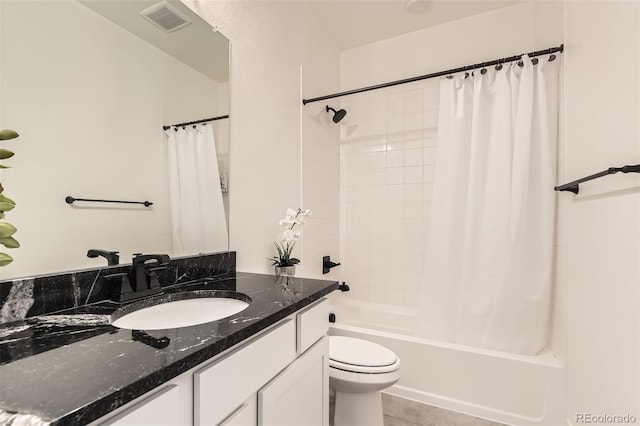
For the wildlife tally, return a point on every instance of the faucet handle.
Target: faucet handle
(124, 289)
(158, 259)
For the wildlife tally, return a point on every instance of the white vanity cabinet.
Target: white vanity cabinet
(299, 395)
(279, 377)
(168, 405)
(286, 369)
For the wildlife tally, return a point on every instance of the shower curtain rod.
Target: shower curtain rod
(549, 51)
(206, 120)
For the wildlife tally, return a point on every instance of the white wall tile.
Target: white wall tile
(378, 177)
(395, 210)
(396, 175)
(395, 193)
(413, 192)
(378, 294)
(386, 180)
(413, 157)
(395, 158)
(413, 174)
(429, 171)
(378, 160)
(413, 101)
(413, 210)
(395, 297)
(413, 122)
(395, 141)
(430, 155)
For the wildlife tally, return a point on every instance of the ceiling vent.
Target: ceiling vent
(165, 16)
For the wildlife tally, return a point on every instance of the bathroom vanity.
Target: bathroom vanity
(266, 365)
(276, 377)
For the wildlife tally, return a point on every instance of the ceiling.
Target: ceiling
(349, 23)
(186, 44)
(353, 23)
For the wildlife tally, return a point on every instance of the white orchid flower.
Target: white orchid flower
(291, 213)
(286, 241)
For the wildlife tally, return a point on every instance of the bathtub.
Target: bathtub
(507, 388)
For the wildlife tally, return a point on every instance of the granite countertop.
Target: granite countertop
(72, 367)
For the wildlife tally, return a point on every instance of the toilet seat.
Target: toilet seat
(361, 356)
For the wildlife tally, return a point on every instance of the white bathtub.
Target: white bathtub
(507, 388)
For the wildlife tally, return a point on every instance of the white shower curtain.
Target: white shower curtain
(489, 258)
(198, 221)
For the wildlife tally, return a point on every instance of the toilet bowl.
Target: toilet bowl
(358, 371)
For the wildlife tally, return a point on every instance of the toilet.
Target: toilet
(358, 371)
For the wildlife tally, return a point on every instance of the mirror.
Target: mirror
(88, 85)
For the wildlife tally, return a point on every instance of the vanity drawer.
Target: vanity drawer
(160, 407)
(224, 385)
(312, 324)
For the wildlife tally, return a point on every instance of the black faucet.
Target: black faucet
(142, 278)
(111, 256)
(144, 272)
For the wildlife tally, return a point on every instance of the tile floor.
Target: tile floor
(405, 412)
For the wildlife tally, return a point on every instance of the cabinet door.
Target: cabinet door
(245, 415)
(221, 387)
(299, 395)
(162, 407)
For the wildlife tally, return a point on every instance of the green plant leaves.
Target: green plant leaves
(5, 259)
(6, 204)
(5, 153)
(5, 207)
(7, 229)
(4, 198)
(7, 134)
(9, 242)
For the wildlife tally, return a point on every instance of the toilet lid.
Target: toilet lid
(359, 353)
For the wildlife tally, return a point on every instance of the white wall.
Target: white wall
(271, 42)
(389, 138)
(491, 35)
(71, 80)
(603, 221)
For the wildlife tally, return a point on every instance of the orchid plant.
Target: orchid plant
(286, 240)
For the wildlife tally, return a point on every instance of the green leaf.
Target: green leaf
(2, 166)
(7, 134)
(5, 153)
(5, 259)
(5, 206)
(9, 242)
(7, 229)
(1, 215)
(4, 198)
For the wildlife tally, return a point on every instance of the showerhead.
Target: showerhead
(337, 115)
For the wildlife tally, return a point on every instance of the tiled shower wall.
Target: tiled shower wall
(388, 149)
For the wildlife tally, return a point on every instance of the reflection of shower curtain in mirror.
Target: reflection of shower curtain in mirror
(198, 222)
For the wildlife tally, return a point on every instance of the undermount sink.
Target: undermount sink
(186, 311)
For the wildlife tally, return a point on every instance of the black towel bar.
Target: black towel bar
(70, 200)
(574, 186)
